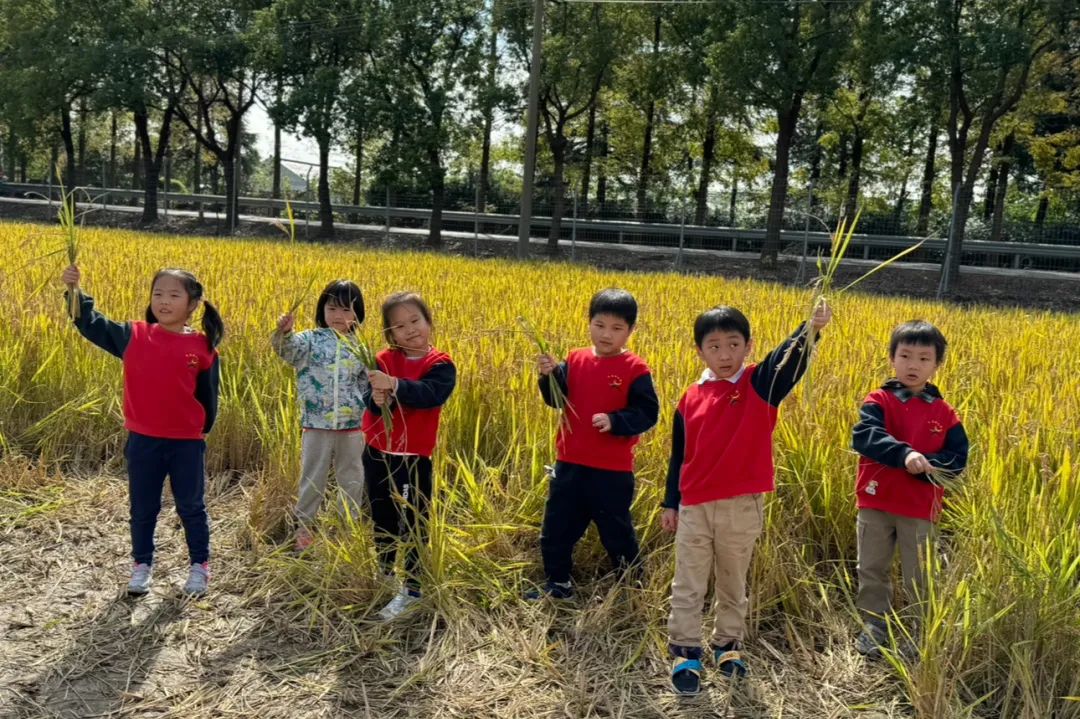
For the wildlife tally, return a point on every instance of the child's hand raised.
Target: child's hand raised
(602, 422)
(546, 364)
(285, 324)
(822, 316)
(71, 276)
(917, 463)
(669, 520)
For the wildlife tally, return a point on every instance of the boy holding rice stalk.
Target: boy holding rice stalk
(332, 388)
(910, 441)
(609, 400)
(720, 469)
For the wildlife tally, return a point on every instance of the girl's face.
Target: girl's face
(339, 318)
(409, 330)
(170, 302)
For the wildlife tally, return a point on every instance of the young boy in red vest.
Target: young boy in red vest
(720, 469)
(905, 431)
(612, 402)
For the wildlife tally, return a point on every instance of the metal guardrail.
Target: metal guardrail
(603, 230)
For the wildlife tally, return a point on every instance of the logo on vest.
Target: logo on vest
(614, 381)
(871, 488)
(735, 397)
(935, 427)
(192, 360)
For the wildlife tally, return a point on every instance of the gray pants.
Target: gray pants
(880, 534)
(320, 449)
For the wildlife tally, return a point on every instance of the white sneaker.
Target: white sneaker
(198, 579)
(139, 584)
(404, 599)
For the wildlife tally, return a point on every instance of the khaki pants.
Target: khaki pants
(319, 449)
(879, 535)
(715, 538)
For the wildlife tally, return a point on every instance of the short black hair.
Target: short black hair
(344, 293)
(720, 319)
(918, 332)
(614, 301)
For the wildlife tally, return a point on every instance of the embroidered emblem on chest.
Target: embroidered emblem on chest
(614, 381)
(735, 397)
(192, 360)
(871, 488)
(935, 427)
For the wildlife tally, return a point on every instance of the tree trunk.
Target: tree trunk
(842, 160)
(586, 171)
(13, 150)
(80, 173)
(326, 211)
(489, 117)
(775, 221)
(708, 153)
(1040, 212)
(991, 191)
(926, 200)
(851, 206)
(110, 181)
(438, 197)
(650, 117)
(69, 145)
(1001, 187)
(136, 165)
(601, 179)
(226, 164)
(734, 196)
(275, 183)
(558, 144)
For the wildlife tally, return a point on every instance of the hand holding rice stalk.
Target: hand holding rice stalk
(360, 348)
(69, 224)
(823, 284)
(558, 397)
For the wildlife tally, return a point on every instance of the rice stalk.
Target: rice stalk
(562, 403)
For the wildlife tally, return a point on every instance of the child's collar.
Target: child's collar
(709, 376)
(929, 394)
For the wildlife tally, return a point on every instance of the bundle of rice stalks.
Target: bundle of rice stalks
(557, 394)
(69, 225)
(360, 347)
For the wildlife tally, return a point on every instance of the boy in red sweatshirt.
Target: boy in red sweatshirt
(612, 402)
(905, 430)
(720, 469)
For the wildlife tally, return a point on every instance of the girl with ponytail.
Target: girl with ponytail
(171, 378)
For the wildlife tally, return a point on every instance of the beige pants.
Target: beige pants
(879, 535)
(715, 538)
(320, 449)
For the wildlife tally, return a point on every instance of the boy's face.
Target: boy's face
(724, 352)
(914, 365)
(609, 334)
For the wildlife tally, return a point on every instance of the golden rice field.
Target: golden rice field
(1002, 637)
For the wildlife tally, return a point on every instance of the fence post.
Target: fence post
(682, 240)
(476, 222)
(573, 228)
(386, 210)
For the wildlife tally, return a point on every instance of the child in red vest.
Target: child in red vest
(412, 383)
(171, 379)
(720, 469)
(905, 431)
(612, 402)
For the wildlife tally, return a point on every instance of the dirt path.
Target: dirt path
(73, 646)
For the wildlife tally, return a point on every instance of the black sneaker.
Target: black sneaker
(729, 662)
(686, 676)
(555, 590)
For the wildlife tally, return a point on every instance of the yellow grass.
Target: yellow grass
(1003, 631)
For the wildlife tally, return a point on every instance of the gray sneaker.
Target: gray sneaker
(870, 640)
(197, 580)
(402, 601)
(139, 584)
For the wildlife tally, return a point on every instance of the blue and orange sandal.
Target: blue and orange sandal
(730, 663)
(686, 676)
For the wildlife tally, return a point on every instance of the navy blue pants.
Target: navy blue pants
(149, 461)
(399, 492)
(577, 496)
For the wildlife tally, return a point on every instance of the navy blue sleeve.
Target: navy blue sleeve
(642, 409)
(430, 391)
(207, 385)
(782, 369)
(870, 438)
(672, 496)
(953, 456)
(113, 337)
(559, 373)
